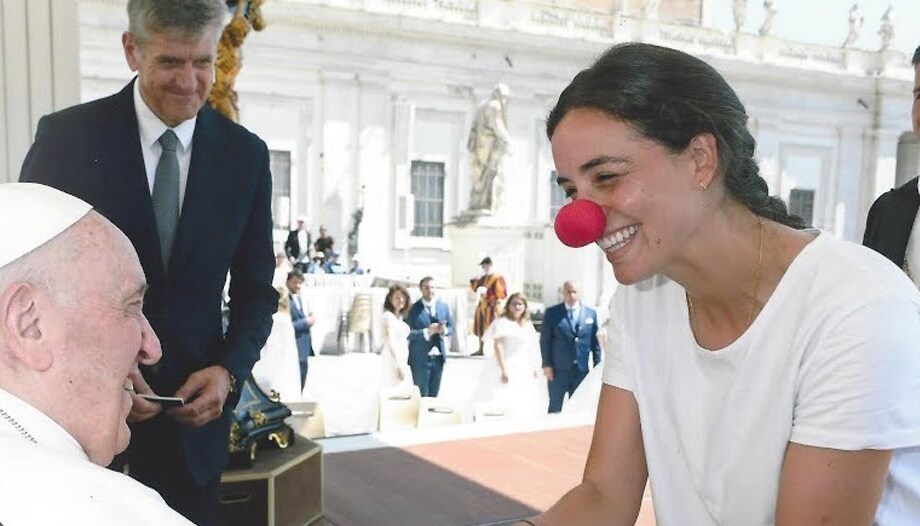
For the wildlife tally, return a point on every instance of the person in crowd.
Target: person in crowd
(568, 338)
(775, 371)
(395, 333)
(72, 333)
(491, 288)
(192, 191)
(324, 242)
(302, 319)
(299, 244)
(333, 266)
(431, 326)
(282, 268)
(356, 268)
(893, 218)
(509, 376)
(316, 266)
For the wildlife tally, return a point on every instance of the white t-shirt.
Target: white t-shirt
(833, 360)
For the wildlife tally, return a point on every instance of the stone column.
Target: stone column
(39, 71)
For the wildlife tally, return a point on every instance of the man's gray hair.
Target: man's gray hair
(188, 17)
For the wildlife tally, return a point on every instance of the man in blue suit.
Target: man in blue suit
(302, 320)
(431, 326)
(192, 191)
(567, 337)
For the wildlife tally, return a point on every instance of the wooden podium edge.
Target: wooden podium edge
(229, 476)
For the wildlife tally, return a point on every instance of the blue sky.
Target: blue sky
(826, 21)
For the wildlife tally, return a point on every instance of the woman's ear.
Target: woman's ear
(22, 327)
(704, 152)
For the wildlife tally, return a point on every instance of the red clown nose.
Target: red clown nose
(579, 223)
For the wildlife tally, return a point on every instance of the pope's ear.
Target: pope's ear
(21, 326)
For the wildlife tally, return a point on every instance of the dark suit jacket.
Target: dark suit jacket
(292, 248)
(301, 332)
(419, 319)
(93, 151)
(561, 344)
(890, 221)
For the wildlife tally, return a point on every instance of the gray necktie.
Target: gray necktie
(166, 195)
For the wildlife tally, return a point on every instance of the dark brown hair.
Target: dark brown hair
(671, 97)
(388, 305)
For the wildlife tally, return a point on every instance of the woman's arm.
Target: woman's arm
(500, 357)
(615, 474)
(830, 486)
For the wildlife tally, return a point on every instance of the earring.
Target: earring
(703, 185)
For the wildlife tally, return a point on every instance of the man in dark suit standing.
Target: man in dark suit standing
(298, 245)
(430, 325)
(891, 227)
(302, 320)
(192, 191)
(568, 335)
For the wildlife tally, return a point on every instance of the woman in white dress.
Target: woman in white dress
(278, 368)
(395, 334)
(509, 376)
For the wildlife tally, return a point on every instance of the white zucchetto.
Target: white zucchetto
(32, 214)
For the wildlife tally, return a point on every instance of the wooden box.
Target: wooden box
(282, 488)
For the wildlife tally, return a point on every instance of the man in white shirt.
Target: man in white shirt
(299, 245)
(72, 333)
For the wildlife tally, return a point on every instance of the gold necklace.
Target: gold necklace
(756, 280)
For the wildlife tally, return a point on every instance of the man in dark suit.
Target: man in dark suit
(892, 222)
(302, 320)
(298, 245)
(431, 326)
(192, 192)
(568, 335)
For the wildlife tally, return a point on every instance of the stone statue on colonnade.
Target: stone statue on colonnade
(856, 22)
(488, 146)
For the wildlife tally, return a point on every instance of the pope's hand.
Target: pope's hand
(205, 391)
(141, 409)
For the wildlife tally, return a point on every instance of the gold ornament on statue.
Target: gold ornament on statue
(229, 61)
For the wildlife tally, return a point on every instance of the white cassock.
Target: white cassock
(51, 481)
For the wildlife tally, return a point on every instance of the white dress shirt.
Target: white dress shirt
(151, 128)
(573, 311)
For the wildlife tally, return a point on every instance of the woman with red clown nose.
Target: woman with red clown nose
(768, 374)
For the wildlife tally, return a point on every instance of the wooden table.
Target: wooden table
(283, 488)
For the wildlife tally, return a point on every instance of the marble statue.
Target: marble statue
(856, 22)
(650, 8)
(770, 10)
(487, 147)
(886, 30)
(739, 12)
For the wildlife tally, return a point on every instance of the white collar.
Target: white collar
(573, 307)
(39, 426)
(151, 127)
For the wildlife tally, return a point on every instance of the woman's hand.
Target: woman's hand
(504, 377)
(399, 374)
